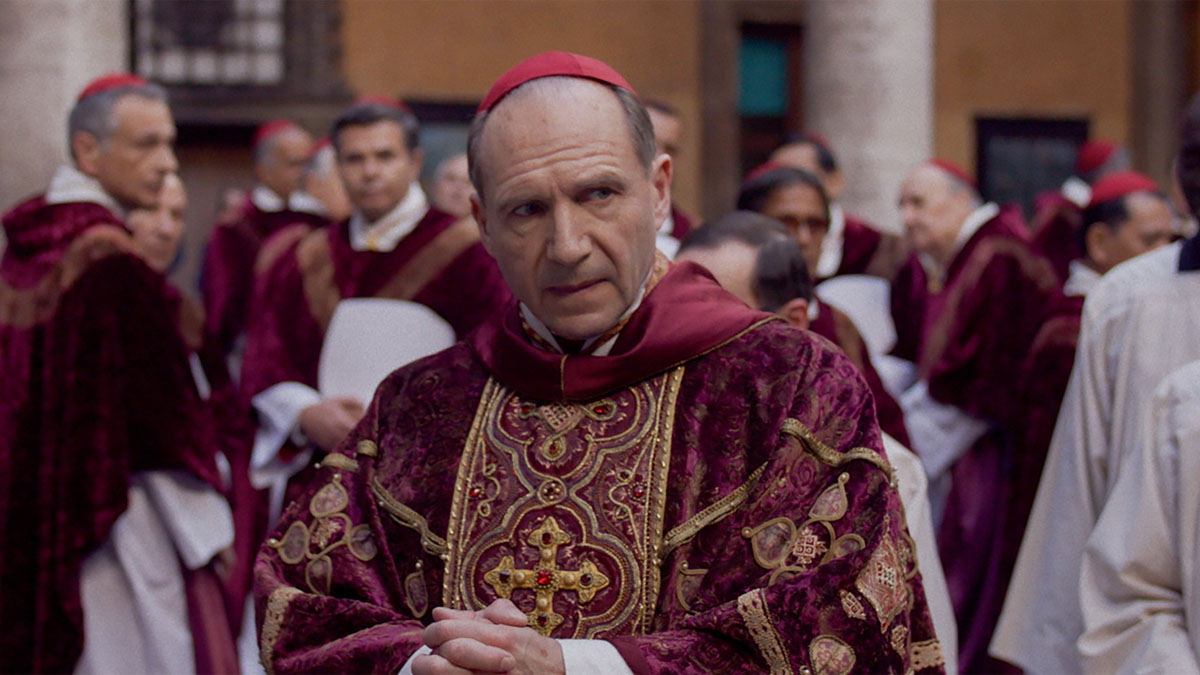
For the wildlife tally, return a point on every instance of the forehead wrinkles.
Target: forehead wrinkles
(555, 123)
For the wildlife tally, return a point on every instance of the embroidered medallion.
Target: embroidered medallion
(830, 655)
(899, 639)
(578, 543)
(852, 607)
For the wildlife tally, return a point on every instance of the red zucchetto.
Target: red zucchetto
(954, 170)
(268, 129)
(383, 100)
(550, 64)
(111, 81)
(1092, 155)
(1120, 184)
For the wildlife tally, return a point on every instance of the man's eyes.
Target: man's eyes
(527, 209)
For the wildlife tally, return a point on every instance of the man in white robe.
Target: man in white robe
(1139, 324)
(1139, 593)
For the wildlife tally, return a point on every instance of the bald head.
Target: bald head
(280, 158)
(566, 201)
(933, 205)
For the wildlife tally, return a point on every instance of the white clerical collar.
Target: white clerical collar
(72, 185)
(668, 224)
(833, 243)
(602, 350)
(1077, 191)
(385, 233)
(814, 309)
(265, 200)
(305, 203)
(1081, 279)
(977, 219)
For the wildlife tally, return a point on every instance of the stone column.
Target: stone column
(49, 49)
(868, 74)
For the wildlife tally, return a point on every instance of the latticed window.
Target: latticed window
(206, 42)
(229, 58)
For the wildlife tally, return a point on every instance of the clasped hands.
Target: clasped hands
(494, 640)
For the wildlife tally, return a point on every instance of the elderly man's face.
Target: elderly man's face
(137, 156)
(282, 168)
(933, 210)
(566, 209)
(452, 187)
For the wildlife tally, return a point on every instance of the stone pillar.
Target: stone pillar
(49, 49)
(868, 74)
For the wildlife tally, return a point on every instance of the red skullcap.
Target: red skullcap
(383, 100)
(111, 81)
(269, 129)
(321, 143)
(1093, 154)
(549, 64)
(1120, 184)
(954, 170)
(762, 170)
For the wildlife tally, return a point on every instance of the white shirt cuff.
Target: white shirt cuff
(580, 657)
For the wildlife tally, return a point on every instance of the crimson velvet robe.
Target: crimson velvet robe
(305, 273)
(682, 224)
(711, 497)
(227, 278)
(1055, 227)
(95, 385)
(969, 335)
(835, 326)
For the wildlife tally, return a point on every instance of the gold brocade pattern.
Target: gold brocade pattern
(882, 581)
(830, 655)
(852, 607)
(430, 542)
(752, 607)
(713, 513)
(782, 547)
(592, 478)
(926, 654)
(331, 529)
(828, 455)
(277, 604)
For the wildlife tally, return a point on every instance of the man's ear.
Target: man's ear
(833, 185)
(795, 312)
(480, 216)
(418, 159)
(86, 149)
(660, 177)
(1097, 244)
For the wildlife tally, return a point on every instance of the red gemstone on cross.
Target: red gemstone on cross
(546, 538)
(585, 579)
(544, 577)
(475, 492)
(543, 619)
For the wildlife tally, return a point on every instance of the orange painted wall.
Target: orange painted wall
(1034, 58)
(453, 50)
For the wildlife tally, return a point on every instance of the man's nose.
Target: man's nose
(168, 163)
(569, 241)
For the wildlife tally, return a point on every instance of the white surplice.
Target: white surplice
(1139, 589)
(1139, 323)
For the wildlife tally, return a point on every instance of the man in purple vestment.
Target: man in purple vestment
(753, 258)
(627, 471)
(967, 306)
(96, 383)
(852, 245)
(281, 149)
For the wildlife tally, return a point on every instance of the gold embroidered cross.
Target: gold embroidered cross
(545, 578)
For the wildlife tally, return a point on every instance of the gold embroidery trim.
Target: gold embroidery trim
(922, 655)
(714, 513)
(337, 461)
(368, 448)
(430, 542)
(277, 605)
(753, 608)
(794, 427)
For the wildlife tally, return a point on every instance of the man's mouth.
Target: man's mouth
(563, 290)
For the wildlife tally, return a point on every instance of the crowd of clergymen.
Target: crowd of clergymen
(968, 367)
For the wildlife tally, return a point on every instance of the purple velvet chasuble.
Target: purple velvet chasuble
(711, 497)
(96, 385)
